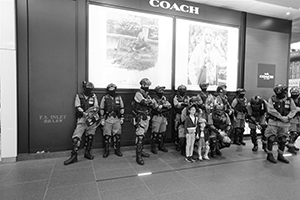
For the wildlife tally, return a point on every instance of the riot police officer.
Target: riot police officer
(281, 109)
(239, 106)
(180, 101)
(143, 105)
(294, 129)
(219, 125)
(256, 117)
(207, 100)
(112, 117)
(159, 120)
(86, 103)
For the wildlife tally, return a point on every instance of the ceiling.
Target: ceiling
(272, 8)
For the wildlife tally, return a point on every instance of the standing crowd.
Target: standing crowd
(204, 124)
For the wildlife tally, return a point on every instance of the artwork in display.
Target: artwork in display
(206, 53)
(126, 46)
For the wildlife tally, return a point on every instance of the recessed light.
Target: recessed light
(288, 13)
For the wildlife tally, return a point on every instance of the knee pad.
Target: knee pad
(76, 142)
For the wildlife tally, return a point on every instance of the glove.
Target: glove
(102, 122)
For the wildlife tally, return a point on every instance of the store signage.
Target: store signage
(266, 75)
(174, 6)
(49, 119)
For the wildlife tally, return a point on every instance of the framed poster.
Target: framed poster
(206, 53)
(126, 46)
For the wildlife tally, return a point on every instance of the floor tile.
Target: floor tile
(23, 191)
(187, 195)
(139, 192)
(86, 191)
(115, 173)
(82, 163)
(168, 182)
(122, 183)
(71, 177)
(19, 175)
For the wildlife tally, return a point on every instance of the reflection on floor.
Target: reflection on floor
(239, 174)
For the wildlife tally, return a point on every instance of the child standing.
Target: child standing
(203, 137)
(190, 127)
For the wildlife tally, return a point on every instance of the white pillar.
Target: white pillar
(8, 81)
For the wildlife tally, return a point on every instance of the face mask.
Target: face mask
(241, 95)
(204, 89)
(145, 88)
(87, 91)
(294, 96)
(281, 95)
(112, 93)
(160, 94)
(181, 93)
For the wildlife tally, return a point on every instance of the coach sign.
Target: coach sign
(266, 76)
(174, 6)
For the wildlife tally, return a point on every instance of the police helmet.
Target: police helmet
(221, 88)
(241, 91)
(295, 91)
(88, 85)
(256, 100)
(181, 88)
(159, 89)
(204, 85)
(145, 82)
(280, 89)
(195, 100)
(111, 87)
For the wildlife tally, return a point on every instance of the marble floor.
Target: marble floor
(239, 174)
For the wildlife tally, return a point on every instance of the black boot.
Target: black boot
(88, 147)
(117, 145)
(291, 143)
(281, 158)
(263, 140)
(254, 139)
(212, 145)
(139, 150)
(281, 146)
(74, 152)
(106, 146)
(153, 142)
(271, 158)
(255, 147)
(241, 136)
(161, 144)
(144, 154)
(236, 137)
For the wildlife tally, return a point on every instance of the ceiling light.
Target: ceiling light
(288, 13)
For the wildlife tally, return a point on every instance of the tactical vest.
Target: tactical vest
(283, 107)
(241, 104)
(219, 120)
(86, 103)
(203, 96)
(297, 103)
(258, 110)
(160, 101)
(139, 107)
(112, 105)
(181, 99)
